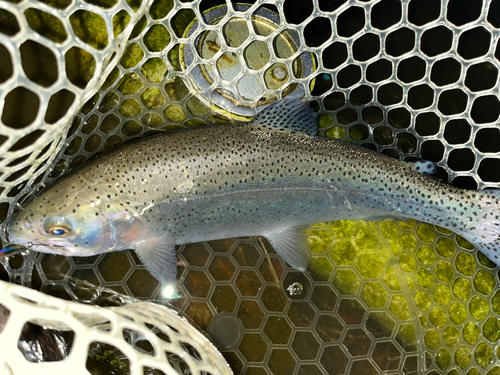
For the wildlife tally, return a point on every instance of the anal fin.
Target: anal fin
(159, 257)
(291, 245)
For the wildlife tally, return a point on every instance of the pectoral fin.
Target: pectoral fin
(291, 245)
(159, 257)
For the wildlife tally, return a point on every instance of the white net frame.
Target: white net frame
(104, 325)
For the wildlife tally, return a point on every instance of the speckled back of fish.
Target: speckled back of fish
(227, 181)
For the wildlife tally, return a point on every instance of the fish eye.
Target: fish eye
(57, 226)
(58, 231)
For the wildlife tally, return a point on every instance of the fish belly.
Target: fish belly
(252, 213)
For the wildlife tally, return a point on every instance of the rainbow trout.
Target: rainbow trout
(271, 177)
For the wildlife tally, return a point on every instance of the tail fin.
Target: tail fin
(485, 234)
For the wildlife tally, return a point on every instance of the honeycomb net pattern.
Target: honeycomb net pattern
(160, 342)
(411, 79)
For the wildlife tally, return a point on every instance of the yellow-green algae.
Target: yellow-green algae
(391, 280)
(370, 265)
(196, 107)
(491, 330)
(445, 247)
(325, 120)
(483, 355)
(46, 24)
(471, 333)
(457, 313)
(109, 124)
(139, 26)
(343, 253)
(181, 21)
(109, 102)
(426, 233)
(156, 38)
(451, 336)
(356, 134)
(130, 84)
(485, 261)
(437, 317)
(484, 282)
(479, 307)
(422, 299)
(441, 294)
(90, 28)
(320, 269)
(152, 119)
(152, 98)
(154, 69)
(347, 282)
(443, 358)
(463, 357)
(110, 79)
(131, 127)
(426, 278)
(129, 108)
(319, 242)
(407, 263)
(160, 8)
(374, 294)
(399, 307)
(337, 132)
(80, 66)
(408, 242)
(462, 288)
(444, 271)
(120, 22)
(174, 113)
(495, 303)
(426, 255)
(132, 55)
(465, 263)
(344, 228)
(432, 339)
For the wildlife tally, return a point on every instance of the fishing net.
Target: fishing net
(410, 79)
(52, 336)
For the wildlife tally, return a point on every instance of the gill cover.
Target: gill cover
(75, 222)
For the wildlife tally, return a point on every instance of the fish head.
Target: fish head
(74, 220)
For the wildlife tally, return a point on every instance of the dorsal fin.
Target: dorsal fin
(289, 114)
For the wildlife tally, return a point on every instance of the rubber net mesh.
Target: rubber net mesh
(52, 336)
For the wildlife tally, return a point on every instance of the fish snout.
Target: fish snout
(18, 229)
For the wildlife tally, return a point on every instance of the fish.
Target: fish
(271, 177)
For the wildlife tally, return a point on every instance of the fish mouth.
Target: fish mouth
(15, 246)
(45, 247)
(11, 249)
